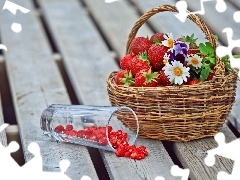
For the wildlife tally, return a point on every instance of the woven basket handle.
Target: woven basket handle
(219, 68)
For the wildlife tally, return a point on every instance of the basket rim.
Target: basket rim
(207, 84)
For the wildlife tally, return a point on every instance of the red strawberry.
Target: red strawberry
(157, 38)
(124, 77)
(193, 51)
(192, 82)
(210, 76)
(145, 78)
(139, 45)
(163, 79)
(126, 62)
(188, 80)
(155, 55)
(140, 62)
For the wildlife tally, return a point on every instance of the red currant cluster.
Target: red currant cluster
(118, 140)
(97, 134)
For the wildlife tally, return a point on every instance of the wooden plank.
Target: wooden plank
(158, 163)
(35, 83)
(166, 21)
(235, 3)
(91, 61)
(218, 21)
(3, 137)
(116, 21)
(192, 155)
(234, 117)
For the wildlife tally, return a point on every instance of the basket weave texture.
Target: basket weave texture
(177, 113)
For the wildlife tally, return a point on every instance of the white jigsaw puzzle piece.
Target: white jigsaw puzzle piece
(2, 46)
(111, 1)
(6, 160)
(85, 178)
(12, 7)
(9, 168)
(182, 8)
(159, 178)
(17, 28)
(236, 16)
(227, 150)
(177, 171)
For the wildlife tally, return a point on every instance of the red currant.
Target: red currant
(59, 129)
(69, 127)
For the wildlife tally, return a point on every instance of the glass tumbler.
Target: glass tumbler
(89, 125)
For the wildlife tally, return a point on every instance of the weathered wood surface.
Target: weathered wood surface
(76, 37)
(234, 117)
(235, 3)
(3, 137)
(192, 155)
(159, 162)
(76, 28)
(116, 21)
(35, 83)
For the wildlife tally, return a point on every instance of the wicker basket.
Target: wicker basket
(177, 113)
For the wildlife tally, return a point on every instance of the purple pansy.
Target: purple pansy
(179, 52)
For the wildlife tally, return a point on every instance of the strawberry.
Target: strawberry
(145, 78)
(159, 37)
(155, 55)
(192, 82)
(140, 62)
(194, 51)
(139, 45)
(188, 80)
(210, 76)
(126, 62)
(124, 77)
(163, 79)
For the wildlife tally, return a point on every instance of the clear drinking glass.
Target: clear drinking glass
(91, 124)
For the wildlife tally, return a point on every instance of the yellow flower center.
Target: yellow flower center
(194, 61)
(177, 71)
(170, 43)
(165, 61)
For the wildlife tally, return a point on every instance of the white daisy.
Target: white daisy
(168, 42)
(176, 72)
(166, 58)
(194, 60)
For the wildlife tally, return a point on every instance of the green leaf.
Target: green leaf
(210, 60)
(205, 72)
(196, 70)
(216, 37)
(156, 41)
(203, 49)
(213, 61)
(206, 49)
(236, 56)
